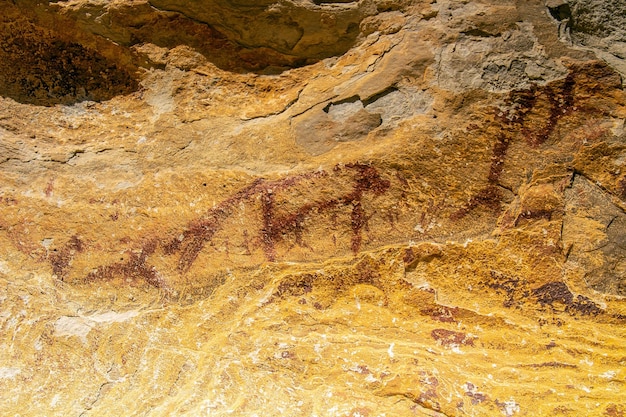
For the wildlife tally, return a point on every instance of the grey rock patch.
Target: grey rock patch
(322, 128)
(601, 253)
(514, 60)
(401, 104)
(595, 24)
(343, 111)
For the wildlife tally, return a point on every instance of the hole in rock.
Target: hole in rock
(560, 12)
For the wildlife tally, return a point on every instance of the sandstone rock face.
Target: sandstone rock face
(308, 208)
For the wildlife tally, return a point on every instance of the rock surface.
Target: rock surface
(308, 208)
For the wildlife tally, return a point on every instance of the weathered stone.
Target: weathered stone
(311, 208)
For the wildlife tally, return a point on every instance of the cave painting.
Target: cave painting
(364, 181)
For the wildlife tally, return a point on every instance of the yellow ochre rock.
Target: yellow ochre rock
(312, 208)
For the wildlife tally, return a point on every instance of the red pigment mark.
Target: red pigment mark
(551, 365)
(452, 338)
(561, 103)
(49, 187)
(135, 268)
(534, 215)
(561, 100)
(201, 231)
(274, 225)
(489, 197)
(191, 242)
(505, 407)
(362, 369)
(296, 285)
(246, 243)
(472, 392)
(368, 180)
(61, 259)
(427, 398)
(442, 313)
(267, 208)
(409, 256)
(558, 292)
(360, 412)
(510, 286)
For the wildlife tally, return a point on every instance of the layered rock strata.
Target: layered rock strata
(312, 208)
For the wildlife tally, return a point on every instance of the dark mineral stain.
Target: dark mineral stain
(554, 292)
(558, 292)
(9, 201)
(296, 285)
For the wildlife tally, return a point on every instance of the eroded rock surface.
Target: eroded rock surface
(310, 208)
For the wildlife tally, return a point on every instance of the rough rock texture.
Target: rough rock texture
(301, 208)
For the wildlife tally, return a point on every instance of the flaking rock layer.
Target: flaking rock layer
(311, 208)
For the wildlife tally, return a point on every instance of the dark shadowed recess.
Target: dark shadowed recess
(38, 67)
(49, 55)
(590, 18)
